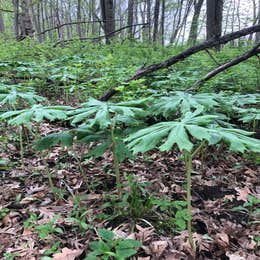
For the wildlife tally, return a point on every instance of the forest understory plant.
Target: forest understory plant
(101, 125)
(183, 133)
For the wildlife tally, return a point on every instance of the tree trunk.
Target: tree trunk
(149, 22)
(162, 22)
(2, 26)
(36, 19)
(58, 22)
(130, 18)
(79, 19)
(26, 21)
(214, 19)
(16, 18)
(257, 36)
(41, 20)
(177, 21)
(156, 20)
(108, 16)
(195, 22)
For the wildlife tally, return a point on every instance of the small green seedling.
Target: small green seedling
(49, 228)
(251, 206)
(3, 212)
(109, 247)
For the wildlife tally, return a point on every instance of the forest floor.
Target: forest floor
(221, 183)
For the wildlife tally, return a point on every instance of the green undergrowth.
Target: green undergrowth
(84, 69)
(41, 84)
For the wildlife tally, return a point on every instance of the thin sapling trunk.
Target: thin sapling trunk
(116, 161)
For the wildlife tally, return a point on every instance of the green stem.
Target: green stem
(188, 165)
(21, 145)
(254, 125)
(49, 176)
(198, 148)
(81, 170)
(116, 161)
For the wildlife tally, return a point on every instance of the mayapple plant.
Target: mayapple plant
(36, 113)
(102, 124)
(183, 133)
(182, 102)
(12, 95)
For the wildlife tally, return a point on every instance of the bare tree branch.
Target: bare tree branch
(183, 55)
(70, 23)
(254, 51)
(6, 11)
(102, 36)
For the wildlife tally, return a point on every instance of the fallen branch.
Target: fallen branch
(183, 55)
(6, 10)
(254, 51)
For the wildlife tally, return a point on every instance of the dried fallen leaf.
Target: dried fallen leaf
(186, 247)
(251, 173)
(175, 255)
(27, 200)
(144, 234)
(247, 243)
(243, 193)
(235, 256)
(67, 254)
(222, 240)
(11, 147)
(158, 247)
(229, 197)
(93, 196)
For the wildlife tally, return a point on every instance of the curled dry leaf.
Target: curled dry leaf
(247, 243)
(222, 240)
(243, 193)
(229, 197)
(235, 256)
(67, 254)
(175, 255)
(251, 173)
(158, 247)
(186, 247)
(27, 200)
(144, 234)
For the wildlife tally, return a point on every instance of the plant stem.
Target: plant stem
(21, 145)
(81, 170)
(48, 174)
(198, 149)
(116, 161)
(188, 165)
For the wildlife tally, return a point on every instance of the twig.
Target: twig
(254, 51)
(98, 37)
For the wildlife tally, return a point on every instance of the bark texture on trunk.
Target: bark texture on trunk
(79, 18)
(195, 22)
(257, 36)
(108, 16)
(2, 26)
(26, 24)
(156, 20)
(214, 19)
(130, 18)
(16, 18)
